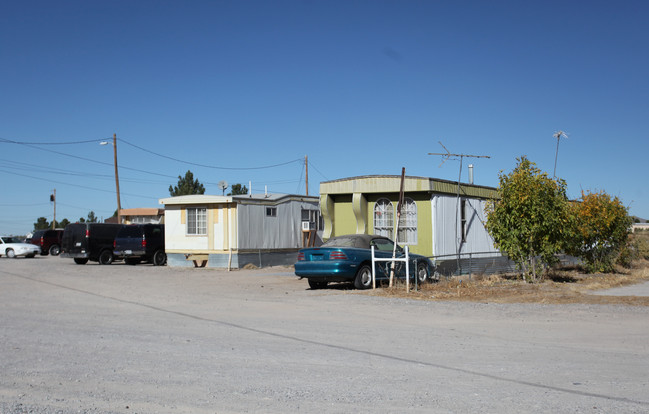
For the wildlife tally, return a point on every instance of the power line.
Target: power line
(23, 205)
(90, 160)
(320, 172)
(49, 143)
(72, 185)
(34, 145)
(209, 166)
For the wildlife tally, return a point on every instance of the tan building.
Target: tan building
(142, 215)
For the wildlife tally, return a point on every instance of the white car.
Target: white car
(13, 247)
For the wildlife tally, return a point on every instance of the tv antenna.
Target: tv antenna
(558, 136)
(446, 156)
(222, 185)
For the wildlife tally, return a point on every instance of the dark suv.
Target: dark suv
(141, 242)
(48, 240)
(90, 241)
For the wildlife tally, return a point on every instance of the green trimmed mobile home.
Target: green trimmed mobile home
(438, 217)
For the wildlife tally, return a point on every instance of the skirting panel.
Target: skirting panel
(239, 260)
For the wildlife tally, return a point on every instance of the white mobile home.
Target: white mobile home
(232, 231)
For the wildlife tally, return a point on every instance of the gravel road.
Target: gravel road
(144, 339)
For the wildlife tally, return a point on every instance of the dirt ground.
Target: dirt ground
(561, 286)
(143, 339)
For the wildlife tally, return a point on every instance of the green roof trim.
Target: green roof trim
(392, 184)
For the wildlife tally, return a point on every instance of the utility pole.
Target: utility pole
(53, 199)
(446, 156)
(119, 204)
(306, 166)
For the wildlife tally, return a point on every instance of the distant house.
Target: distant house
(233, 231)
(142, 215)
(439, 218)
(640, 227)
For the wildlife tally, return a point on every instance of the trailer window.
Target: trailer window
(197, 221)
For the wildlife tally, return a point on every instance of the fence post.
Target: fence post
(470, 265)
(373, 272)
(407, 270)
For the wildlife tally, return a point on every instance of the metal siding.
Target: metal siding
(251, 222)
(447, 226)
(477, 236)
(258, 231)
(443, 225)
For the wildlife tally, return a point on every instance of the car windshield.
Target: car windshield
(343, 242)
(383, 245)
(10, 239)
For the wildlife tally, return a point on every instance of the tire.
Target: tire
(10, 253)
(80, 260)
(422, 273)
(159, 258)
(363, 278)
(316, 284)
(105, 257)
(55, 250)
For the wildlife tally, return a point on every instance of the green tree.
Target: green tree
(63, 224)
(41, 224)
(528, 219)
(238, 189)
(186, 185)
(91, 217)
(600, 230)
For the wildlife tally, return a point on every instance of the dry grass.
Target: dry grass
(561, 286)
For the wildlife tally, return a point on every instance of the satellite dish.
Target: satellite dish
(223, 185)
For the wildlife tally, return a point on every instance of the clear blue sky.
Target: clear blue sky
(361, 87)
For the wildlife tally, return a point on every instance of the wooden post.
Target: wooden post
(396, 224)
(119, 204)
(54, 219)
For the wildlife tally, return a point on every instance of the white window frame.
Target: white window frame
(383, 218)
(196, 221)
(408, 223)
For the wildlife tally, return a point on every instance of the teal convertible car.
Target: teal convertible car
(349, 258)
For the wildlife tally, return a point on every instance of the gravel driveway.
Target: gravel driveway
(144, 339)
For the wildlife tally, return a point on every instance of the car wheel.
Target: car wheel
(422, 273)
(55, 249)
(159, 258)
(80, 261)
(363, 278)
(315, 284)
(11, 253)
(105, 257)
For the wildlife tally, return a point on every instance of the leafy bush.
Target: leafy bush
(599, 232)
(528, 220)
